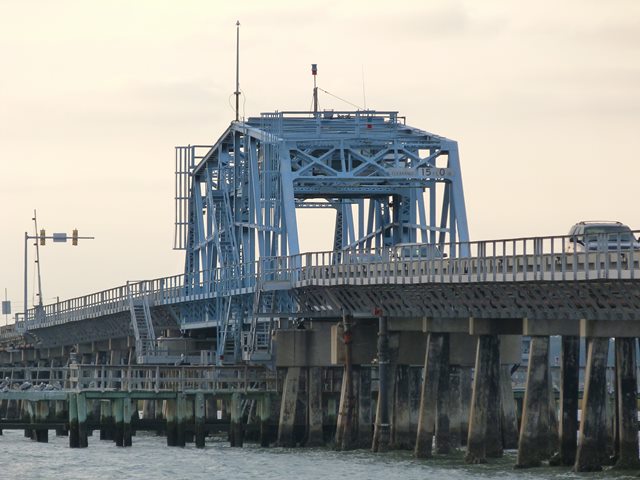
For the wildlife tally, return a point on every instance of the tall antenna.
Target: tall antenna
(237, 92)
(364, 94)
(42, 234)
(314, 72)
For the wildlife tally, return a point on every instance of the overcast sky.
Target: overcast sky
(543, 98)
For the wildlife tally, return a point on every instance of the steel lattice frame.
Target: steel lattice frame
(389, 183)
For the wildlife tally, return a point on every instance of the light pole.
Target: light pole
(41, 237)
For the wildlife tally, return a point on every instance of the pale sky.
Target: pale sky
(543, 98)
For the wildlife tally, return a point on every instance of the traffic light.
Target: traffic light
(43, 237)
(74, 237)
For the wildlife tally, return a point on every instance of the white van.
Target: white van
(600, 235)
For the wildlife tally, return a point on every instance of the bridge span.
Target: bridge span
(377, 340)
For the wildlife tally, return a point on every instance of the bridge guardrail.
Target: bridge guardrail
(554, 258)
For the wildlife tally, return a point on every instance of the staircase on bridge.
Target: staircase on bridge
(142, 323)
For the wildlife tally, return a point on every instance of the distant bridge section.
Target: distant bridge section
(535, 278)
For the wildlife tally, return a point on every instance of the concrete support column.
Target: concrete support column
(534, 440)
(626, 383)
(314, 407)
(382, 430)
(401, 426)
(466, 393)
(442, 438)
(429, 395)
(199, 410)
(236, 428)
(508, 418)
(487, 354)
(569, 373)
(455, 408)
(591, 440)
(364, 435)
(288, 407)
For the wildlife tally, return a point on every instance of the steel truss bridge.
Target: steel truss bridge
(388, 184)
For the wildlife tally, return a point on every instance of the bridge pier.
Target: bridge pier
(508, 417)
(288, 408)
(429, 395)
(484, 439)
(382, 430)
(592, 446)
(401, 438)
(535, 433)
(314, 407)
(442, 432)
(365, 433)
(569, 373)
(455, 407)
(626, 384)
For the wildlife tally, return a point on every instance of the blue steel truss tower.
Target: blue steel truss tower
(236, 201)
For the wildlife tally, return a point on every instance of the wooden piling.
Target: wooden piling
(199, 415)
(170, 415)
(74, 441)
(83, 434)
(181, 420)
(41, 435)
(107, 423)
(127, 413)
(429, 395)
(533, 445)
(118, 421)
(591, 451)
(236, 429)
(264, 414)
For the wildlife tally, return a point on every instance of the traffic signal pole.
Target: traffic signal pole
(40, 238)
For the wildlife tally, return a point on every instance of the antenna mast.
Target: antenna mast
(314, 72)
(237, 92)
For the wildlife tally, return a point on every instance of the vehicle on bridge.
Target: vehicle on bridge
(588, 236)
(422, 251)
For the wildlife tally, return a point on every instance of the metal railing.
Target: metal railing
(144, 378)
(555, 258)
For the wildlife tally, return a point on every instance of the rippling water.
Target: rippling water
(150, 458)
